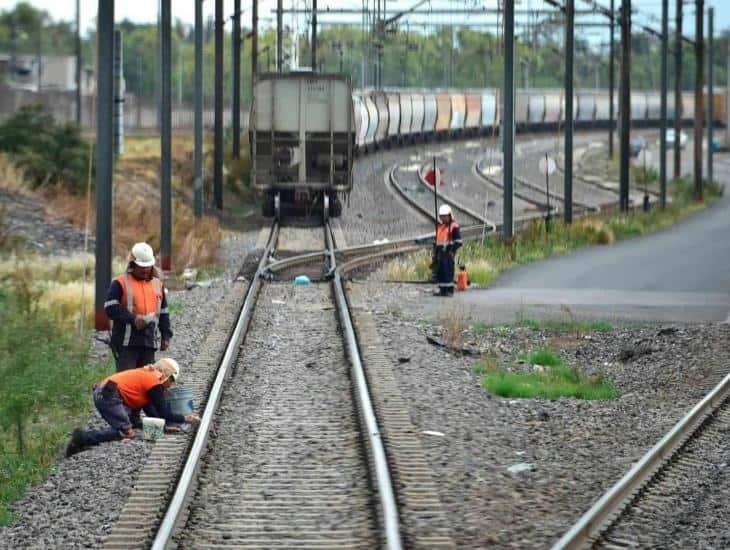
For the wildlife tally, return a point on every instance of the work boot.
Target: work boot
(77, 443)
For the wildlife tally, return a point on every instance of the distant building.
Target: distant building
(54, 72)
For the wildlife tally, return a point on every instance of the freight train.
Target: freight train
(389, 117)
(306, 128)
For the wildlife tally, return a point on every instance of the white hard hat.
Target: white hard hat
(169, 368)
(445, 210)
(143, 255)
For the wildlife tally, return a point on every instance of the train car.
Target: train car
(553, 109)
(372, 122)
(473, 113)
(458, 114)
(638, 109)
(381, 104)
(361, 122)
(430, 116)
(418, 115)
(490, 117)
(393, 117)
(522, 105)
(302, 137)
(536, 109)
(584, 109)
(406, 114)
(443, 116)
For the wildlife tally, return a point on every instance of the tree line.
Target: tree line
(446, 57)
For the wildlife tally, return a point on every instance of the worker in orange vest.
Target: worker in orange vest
(118, 396)
(137, 305)
(448, 241)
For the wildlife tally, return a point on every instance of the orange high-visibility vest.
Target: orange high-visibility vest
(133, 385)
(444, 233)
(141, 297)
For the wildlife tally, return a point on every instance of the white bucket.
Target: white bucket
(152, 428)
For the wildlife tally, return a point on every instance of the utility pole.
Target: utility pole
(568, 181)
(236, 100)
(611, 84)
(279, 36)
(508, 120)
(625, 103)
(663, 115)
(218, 108)
(198, 131)
(314, 35)
(254, 43)
(78, 63)
(710, 88)
(678, 91)
(166, 136)
(104, 162)
(699, 70)
(118, 94)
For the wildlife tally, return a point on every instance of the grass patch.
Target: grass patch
(485, 261)
(45, 392)
(552, 380)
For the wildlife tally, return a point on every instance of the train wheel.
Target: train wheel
(325, 207)
(277, 206)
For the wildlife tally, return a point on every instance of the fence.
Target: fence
(138, 115)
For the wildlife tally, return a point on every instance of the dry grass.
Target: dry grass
(454, 325)
(12, 177)
(58, 284)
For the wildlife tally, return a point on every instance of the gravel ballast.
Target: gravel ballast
(571, 450)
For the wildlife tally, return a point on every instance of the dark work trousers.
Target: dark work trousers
(113, 410)
(445, 273)
(132, 357)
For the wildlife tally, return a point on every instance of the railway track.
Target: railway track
(532, 193)
(641, 509)
(290, 451)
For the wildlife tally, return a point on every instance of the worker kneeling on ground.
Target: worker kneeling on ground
(121, 395)
(448, 241)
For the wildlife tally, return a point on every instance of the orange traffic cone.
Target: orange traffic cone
(462, 279)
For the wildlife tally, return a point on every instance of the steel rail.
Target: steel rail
(187, 478)
(453, 203)
(383, 480)
(594, 521)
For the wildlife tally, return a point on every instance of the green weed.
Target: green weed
(45, 392)
(552, 381)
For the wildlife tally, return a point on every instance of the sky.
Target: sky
(145, 11)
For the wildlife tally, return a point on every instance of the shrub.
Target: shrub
(48, 153)
(45, 390)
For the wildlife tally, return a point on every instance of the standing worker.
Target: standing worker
(448, 241)
(137, 305)
(121, 395)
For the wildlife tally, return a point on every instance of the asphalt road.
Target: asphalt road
(680, 274)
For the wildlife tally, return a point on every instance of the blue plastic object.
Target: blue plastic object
(302, 280)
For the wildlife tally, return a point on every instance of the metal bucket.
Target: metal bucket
(180, 400)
